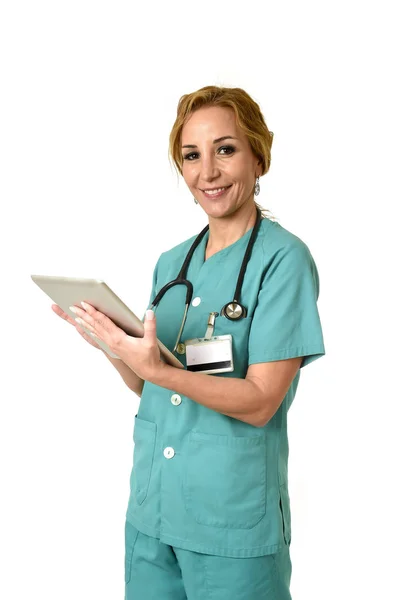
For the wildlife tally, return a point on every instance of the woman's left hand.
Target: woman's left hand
(142, 355)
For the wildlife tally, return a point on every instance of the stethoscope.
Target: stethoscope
(232, 310)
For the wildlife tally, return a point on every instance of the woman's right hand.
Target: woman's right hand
(58, 311)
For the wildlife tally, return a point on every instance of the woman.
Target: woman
(209, 510)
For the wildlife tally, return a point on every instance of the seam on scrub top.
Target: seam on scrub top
(158, 531)
(299, 350)
(210, 549)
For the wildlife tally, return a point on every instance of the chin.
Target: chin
(222, 211)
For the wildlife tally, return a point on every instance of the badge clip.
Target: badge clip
(211, 325)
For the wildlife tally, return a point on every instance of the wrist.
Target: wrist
(160, 375)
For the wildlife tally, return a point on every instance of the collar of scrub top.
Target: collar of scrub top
(232, 310)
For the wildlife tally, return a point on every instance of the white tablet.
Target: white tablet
(67, 291)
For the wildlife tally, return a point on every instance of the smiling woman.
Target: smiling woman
(209, 483)
(240, 119)
(209, 508)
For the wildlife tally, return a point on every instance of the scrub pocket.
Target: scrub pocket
(225, 479)
(144, 435)
(131, 534)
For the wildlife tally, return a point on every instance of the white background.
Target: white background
(89, 92)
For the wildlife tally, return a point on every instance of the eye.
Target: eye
(188, 156)
(230, 149)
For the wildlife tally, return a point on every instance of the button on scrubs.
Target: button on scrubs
(202, 481)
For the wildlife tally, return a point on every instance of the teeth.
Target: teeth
(214, 191)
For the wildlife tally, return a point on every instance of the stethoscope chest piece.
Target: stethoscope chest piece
(234, 311)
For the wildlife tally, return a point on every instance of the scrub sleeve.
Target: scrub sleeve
(286, 322)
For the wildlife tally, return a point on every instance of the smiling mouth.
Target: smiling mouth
(216, 191)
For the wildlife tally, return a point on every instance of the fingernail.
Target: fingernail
(73, 309)
(149, 314)
(84, 305)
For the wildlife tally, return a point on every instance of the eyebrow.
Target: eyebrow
(225, 137)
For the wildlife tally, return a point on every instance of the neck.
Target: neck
(226, 230)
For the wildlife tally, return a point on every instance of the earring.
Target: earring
(196, 201)
(257, 187)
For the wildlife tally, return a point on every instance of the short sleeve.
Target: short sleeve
(286, 322)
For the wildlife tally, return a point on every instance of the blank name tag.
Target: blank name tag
(210, 356)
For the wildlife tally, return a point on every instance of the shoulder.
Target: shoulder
(287, 257)
(275, 237)
(278, 243)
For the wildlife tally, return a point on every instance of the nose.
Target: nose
(208, 169)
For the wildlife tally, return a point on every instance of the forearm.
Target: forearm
(237, 398)
(133, 381)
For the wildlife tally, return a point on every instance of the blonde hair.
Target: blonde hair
(248, 115)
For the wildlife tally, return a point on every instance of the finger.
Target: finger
(58, 311)
(83, 317)
(150, 328)
(87, 337)
(85, 324)
(85, 333)
(102, 326)
(100, 322)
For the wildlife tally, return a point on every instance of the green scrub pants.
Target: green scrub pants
(157, 571)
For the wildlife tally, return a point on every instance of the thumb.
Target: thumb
(150, 327)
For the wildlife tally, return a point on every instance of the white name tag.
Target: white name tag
(214, 355)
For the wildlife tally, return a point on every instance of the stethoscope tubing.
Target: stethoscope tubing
(181, 280)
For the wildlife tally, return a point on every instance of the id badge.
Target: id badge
(210, 355)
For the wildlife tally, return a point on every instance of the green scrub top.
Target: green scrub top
(201, 480)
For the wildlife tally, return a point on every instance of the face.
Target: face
(211, 163)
